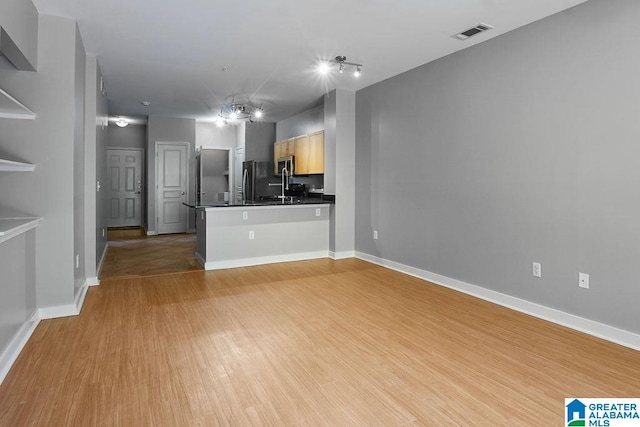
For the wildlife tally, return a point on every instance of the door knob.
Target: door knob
(182, 193)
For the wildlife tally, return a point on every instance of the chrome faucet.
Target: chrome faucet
(284, 183)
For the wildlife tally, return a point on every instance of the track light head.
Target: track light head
(341, 60)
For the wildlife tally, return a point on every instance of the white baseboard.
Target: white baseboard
(342, 255)
(65, 310)
(246, 262)
(93, 281)
(600, 330)
(17, 343)
(151, 233)
(102, 258)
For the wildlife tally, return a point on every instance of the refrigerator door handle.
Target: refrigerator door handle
(244, 184)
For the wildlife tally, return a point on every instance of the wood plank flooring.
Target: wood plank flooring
(131, 253)
(310, 343)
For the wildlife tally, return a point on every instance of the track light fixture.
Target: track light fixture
(325, 65)
(238, 112)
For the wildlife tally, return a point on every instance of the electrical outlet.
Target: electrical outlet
(245, 215)
(375, 234)
(317, 211)
(252, 235)
(583, 280)
(537, 269)
(77, 260)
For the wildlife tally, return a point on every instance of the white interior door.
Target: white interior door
(124, 169)
(172, 185)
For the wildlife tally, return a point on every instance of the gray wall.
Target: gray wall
(523, 148)
(48, 142)
(79, 163)
(19, 18)
(209, 135)
(131, 136)
(102, 112)
(259, 140)
(308, 121)
(339, 173)
(168, 129)
(96, 112)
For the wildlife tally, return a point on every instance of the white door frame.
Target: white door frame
(143, 175)
(157, 180)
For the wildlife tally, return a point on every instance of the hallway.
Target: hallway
(132, 254)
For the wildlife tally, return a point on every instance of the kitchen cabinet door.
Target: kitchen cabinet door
(276, 155)
(316, 152)
(302, 155)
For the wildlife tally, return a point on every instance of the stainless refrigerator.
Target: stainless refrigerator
(256, 177)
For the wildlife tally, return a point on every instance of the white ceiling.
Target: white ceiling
(172, 52)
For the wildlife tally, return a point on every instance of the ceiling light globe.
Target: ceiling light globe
(323, 67)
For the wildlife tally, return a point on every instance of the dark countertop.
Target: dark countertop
(269, 202)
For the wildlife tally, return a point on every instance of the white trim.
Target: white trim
(201, 260)
(234, 263)
(596, 329)
(65, 310)
(102, 258)
(57, 311)
(93, 281)
(12, 227)
(126, 148)
(81, 295)
(342, 255)
(150, 233)
(17, 343)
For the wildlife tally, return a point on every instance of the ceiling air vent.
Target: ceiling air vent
(480, 28)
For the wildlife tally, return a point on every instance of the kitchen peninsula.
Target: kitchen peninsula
(240, 235)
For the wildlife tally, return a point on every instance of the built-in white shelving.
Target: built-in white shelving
(11, 108)
(11, 227)
(9, 165)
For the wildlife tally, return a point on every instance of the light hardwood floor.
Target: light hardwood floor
(318, 342)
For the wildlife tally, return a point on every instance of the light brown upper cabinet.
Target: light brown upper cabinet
(302, 155)
(308, 151)
(316, 152)
(281, 149)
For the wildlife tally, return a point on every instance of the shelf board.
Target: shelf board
(11, 227)
(11, 166)
(11, 108)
